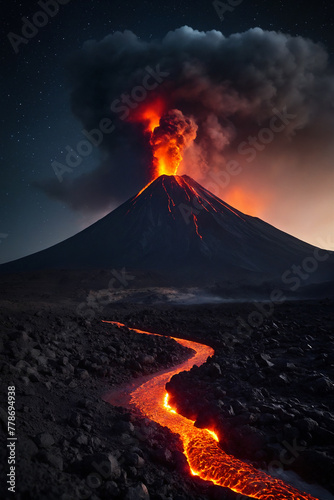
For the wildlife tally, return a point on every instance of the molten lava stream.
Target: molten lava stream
(206, 459)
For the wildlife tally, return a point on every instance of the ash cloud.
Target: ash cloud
(230, 87)
(173, 135)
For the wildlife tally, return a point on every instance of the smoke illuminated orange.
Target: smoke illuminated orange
(163, 162)
(167, 151)
(245, 201)
(205, 457)
(151, 115)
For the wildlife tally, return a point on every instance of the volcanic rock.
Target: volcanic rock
(44, 440)
(139, 492)
(103, 463)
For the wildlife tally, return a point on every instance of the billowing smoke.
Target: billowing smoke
(170, 139)
(262, 103)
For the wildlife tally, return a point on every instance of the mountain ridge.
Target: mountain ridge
(176, 227)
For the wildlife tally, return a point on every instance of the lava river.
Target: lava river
(201, 448)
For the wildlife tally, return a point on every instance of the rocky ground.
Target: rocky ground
(71, 444)
(268, 391)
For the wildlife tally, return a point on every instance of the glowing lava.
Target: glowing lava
(188, 199)
(205, 457)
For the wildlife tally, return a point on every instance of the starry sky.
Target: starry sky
(36, 119)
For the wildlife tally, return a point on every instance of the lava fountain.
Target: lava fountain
(201, 447)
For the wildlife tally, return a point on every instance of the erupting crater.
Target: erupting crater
(170, 133)
(205, 457)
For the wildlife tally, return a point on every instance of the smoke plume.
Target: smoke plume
(173, 135)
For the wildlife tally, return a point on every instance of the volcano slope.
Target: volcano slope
(185, 235)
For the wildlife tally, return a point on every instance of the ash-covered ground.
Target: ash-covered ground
(268, 391)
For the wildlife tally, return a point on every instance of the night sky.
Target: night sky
(37, 121)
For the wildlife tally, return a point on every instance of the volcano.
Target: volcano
(183, 233)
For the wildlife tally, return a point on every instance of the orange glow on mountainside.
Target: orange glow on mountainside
(201, 447)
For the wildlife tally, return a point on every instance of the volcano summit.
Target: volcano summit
(186, 235)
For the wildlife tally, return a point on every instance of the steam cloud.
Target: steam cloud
(262, 103)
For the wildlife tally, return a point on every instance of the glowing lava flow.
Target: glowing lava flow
(206, 459)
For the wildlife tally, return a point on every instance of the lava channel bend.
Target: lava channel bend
(205, 457)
